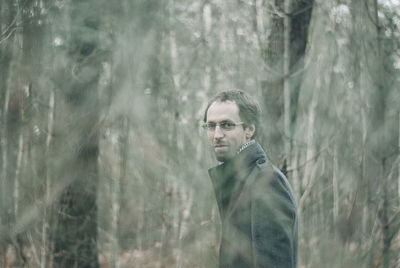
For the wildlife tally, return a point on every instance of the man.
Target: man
(256, 205)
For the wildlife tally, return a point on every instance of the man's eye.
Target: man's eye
(227, 124)
(211, 125)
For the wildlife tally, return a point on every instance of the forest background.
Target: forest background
(104, 163)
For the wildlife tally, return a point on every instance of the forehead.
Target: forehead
(219, 111)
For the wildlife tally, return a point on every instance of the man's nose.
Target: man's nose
(218, 133)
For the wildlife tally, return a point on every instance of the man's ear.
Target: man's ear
(249, 131)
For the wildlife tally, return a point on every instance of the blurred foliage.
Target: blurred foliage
(131, 79)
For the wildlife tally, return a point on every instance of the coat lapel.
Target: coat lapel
(242, 186)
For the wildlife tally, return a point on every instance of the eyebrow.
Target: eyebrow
(224, 120)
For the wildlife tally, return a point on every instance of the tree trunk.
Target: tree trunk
(283, 55)
(44, 256)
(76, 142)
(379, 146)
(286, 81)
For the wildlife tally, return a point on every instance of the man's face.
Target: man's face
(226, 143)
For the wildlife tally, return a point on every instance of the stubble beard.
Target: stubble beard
(224, 155)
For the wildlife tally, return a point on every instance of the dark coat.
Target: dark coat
(257, 210)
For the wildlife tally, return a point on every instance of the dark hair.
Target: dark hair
(249, 109)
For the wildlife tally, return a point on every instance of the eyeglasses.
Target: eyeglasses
(224, 125)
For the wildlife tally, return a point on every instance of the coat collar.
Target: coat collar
(244, 160)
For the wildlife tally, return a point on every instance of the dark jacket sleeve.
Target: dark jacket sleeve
(273, 220)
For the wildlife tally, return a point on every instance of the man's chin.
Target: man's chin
(223, 156)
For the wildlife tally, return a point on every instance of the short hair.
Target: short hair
(249, 108)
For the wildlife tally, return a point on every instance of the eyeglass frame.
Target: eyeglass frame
(229, 128)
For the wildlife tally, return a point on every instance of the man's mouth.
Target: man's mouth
(220, 146)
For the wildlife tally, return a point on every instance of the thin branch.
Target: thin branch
(9, 34)
(308, 160)
(374, 21)
(300, 11)
(34, 252)
(291, 14)
(14, 21)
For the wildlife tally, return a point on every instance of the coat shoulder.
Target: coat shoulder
(270, 178)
